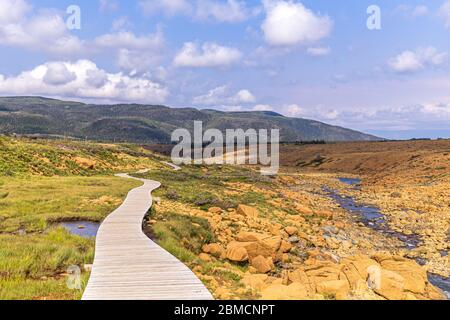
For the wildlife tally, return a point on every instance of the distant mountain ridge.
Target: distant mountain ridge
(150, 123)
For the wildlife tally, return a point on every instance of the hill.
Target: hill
(149, 123)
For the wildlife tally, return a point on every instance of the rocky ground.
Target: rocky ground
(306, 248)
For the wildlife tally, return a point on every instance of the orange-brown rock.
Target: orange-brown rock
(255, 282)
(215, 210)
(247, 211)
(214, 249)
(291, 230)
(387, 284)
(236, 253)
(262, 264)
(295, 291)
(340, 289)
(205, 257)
(415, 277)
(355, 271)
(250, 236)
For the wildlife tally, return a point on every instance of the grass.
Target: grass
(31, 264)
(32, 204)
(191, 232)
(46, 181)
(205, 187)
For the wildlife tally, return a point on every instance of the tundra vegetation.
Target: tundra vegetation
(44, 182)
(246, 236)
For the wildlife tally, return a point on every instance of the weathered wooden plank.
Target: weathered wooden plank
(129, 266)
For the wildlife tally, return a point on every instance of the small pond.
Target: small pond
(86, 229)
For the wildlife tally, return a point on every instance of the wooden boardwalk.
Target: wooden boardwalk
(129, 266)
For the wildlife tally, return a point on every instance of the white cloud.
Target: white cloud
(293, 110)
(222, 11)
(444, 12)
(128, 40)
(262, 107)
(319, 51)
(13, 10)
(83, 80)
(244, 96)
(290, 23)
(411, 61)
(222, 96)
(230, 11)
(209, 55)
(58, 74)
(167, 7)
(45, 30)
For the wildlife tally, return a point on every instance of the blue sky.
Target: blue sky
(314, 59)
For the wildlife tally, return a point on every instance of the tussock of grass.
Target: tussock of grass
(183, 236)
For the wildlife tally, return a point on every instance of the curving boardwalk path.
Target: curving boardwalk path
(129, 266)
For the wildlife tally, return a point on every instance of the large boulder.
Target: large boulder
(213, 249)
(319, 271)
(236, 253)
(262, 265)
(340, 289)
(300, 276)
(355, 271)
(387, 284)
(415, 277)
(247, 211)
(250, 236)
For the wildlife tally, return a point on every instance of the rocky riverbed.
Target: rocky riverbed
(311, 247)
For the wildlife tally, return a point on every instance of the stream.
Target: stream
(373, 218)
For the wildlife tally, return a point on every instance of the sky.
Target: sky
(315, 59)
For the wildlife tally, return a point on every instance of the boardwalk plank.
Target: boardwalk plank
(129, 266)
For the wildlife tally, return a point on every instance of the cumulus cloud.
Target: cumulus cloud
(83, 80)
(319, 51)
(290, 23)
(444, 11)
(13, 10)
(221, 96)
(293, 110)
(411, 61)
(262, 107)
(58, 74)
(209, 55)
(45, 30)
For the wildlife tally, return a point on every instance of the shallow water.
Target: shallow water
(86, 229)
(373, 218)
